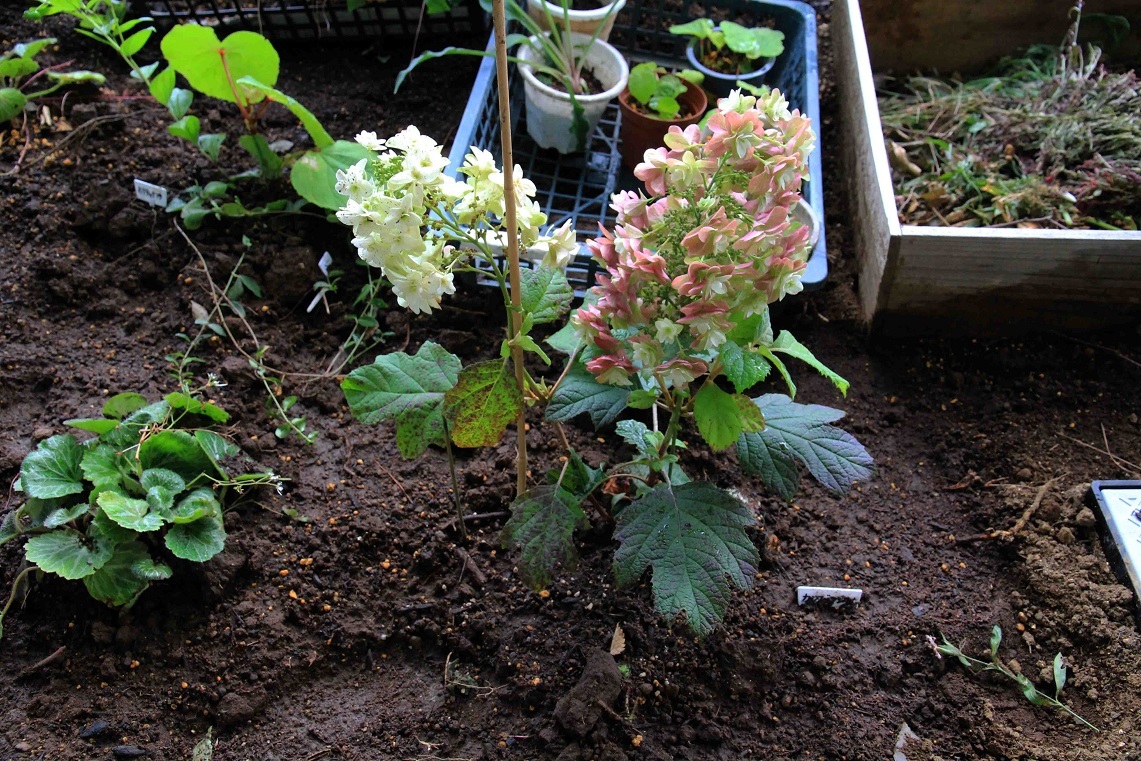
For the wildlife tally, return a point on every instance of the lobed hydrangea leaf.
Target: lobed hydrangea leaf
(579, 478)
(116, 583)
(580, 392)
(744, 368)
(636, 434)
(692, 538)
(53, 469)
(542, 525)
(717, 416)
(68, 553)
(417, 428)
(566, 339)
(482, 403)
(546, 295)
(198, 541)
(786, 344)
(801, 432)
(133, 514)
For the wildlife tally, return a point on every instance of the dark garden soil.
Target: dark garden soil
(372, 632)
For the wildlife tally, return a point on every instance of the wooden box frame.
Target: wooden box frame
(948, 279)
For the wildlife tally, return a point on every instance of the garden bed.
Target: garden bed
(372, 631)
(916, 279)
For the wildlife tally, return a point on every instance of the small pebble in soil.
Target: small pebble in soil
(1066, 535)
(1086, 518)
(96, 729)
(128, 751)
(23, 747)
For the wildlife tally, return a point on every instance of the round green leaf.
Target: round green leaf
(134, 514)
(198, 541)
(116, 583)
(68, 553)
(210, 65)
(12, 102)
(52, 470)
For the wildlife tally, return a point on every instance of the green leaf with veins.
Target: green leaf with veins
(579, 479)
(100, 466)
(542, 525)
(181, 401)
(580, 392)
(98, 425)
(62, 515)
(68, 553)
(161, 486)
(121, 406)
(133, 514)
(786, 344)
(801, 432)
(546, 294)
(314, 174)
(175, 450)
(483, 402)
(198, 504)
(717, 415)
(211, 65)
(115, 583)
(149, 569)
(53, 468)
(408, 389)
(216, 448)
(743, 367)
(692, 537)
(198, 541)
(566, 339)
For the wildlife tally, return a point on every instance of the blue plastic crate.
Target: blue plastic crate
(579, 187)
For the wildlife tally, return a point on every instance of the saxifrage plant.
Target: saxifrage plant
(731, 48)
(681, 313)
(656, 89)
(150, 485)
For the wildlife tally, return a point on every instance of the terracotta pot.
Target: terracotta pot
(641, 133)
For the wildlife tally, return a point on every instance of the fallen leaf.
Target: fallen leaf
(618, 641)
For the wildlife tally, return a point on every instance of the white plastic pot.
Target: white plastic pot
(549, 111)
(583, 22)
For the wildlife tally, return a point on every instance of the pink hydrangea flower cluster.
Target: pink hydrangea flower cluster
(714, 243)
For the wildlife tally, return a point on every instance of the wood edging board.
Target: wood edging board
(950, 279)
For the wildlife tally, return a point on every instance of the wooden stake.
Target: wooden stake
(514, 315)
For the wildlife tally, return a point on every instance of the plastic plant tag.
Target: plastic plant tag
(1120, 506)
(836, 594)
(155, 195)
(324, 262)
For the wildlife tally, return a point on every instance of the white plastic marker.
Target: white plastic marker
(803, 594)
(1120, 503)
(155, 195)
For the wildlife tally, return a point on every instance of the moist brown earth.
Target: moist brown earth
(372, 631)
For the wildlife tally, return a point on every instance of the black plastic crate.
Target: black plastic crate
(322, 19)
(579, 187)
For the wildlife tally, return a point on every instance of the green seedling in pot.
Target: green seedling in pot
(112, 510)
(23, 80)
(656, 89)
(731, 48)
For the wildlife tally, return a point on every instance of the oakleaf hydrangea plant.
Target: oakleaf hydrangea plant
(678, 326)
(111, 510)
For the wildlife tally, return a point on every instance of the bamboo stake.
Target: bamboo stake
(514, 315)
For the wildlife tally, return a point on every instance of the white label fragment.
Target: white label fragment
(147, 192)
(838, 594)
(1121, 506)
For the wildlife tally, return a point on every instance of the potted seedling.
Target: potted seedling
(653, 101)
(730, 53)
(585, 16)
(569, 78)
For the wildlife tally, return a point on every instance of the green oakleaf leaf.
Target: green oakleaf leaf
(210, 65)
(181, 401)
(68, 553)
(638, 435)
(52, 469)
(481, 404)
(133, 514)
(786, 344)
(566, 339)
(581, 392)
(693, 539)
(198, 541)
(314, 175)
(542, 525)
(717, 415)
(756, 328)
(801, 432)
(546, 294)
(743, 368)
(116, 583)
(407, 388)
(579, 479)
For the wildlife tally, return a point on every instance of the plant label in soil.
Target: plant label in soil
(1120, 505)
(155, 195)
(816, 594)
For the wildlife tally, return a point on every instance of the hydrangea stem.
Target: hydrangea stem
(514, 314)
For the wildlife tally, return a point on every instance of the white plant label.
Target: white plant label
(838, 594)
(1121, 506)
(147, 192)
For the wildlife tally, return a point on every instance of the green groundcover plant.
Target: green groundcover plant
(22, 79)
(677, 329)
(112, 509)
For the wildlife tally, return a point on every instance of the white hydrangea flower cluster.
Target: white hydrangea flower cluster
(406, 213)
